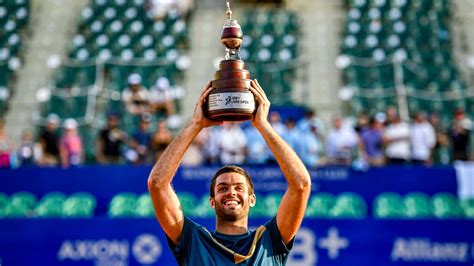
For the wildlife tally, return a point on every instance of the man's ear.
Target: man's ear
(212, 202)
(252, 200)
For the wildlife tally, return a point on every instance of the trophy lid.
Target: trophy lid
(231, 36)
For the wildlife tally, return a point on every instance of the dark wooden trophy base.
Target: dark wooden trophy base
(231, 98)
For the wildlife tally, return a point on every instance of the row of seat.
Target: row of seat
(346, 205)
(14, 16)
(416, 30)
(55, 204)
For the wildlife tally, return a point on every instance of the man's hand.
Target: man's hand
(263, 107)
(199, 118)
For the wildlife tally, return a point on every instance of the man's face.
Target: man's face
(231, 197)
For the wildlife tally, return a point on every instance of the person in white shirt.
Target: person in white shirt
(342, 141)
(232, 144)
(136, 97)
(397, 141)
(423, 140)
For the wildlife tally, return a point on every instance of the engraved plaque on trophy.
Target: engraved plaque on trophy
(231, 99)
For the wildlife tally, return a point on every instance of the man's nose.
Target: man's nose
(232, 191)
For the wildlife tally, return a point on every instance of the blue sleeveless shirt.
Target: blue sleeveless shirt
(198, 246)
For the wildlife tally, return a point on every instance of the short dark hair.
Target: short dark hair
(230, 169)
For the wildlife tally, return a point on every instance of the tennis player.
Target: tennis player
(232, 196)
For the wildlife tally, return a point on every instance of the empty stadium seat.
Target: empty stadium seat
(320, 205)
(388, 205)
(51, 205)
(446, 206)
(417, 205)
(144, 206)
(79, 205)
(349, 205)
(123, 205)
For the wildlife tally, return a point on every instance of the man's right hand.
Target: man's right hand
(199, 119)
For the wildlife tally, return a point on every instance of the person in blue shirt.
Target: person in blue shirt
(232, 196)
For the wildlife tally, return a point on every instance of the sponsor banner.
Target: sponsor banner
(106, 181)
(103, 241)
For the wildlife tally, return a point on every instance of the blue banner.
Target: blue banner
(103, 241)
(106, 181)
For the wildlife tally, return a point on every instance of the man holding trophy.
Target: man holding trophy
(231, 191)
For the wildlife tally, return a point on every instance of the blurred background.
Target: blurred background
(375, 96)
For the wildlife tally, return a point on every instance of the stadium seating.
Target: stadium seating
(320, 205)
(79, 205)
(14, 17)
(51, 205)
(348, 205)
(123, 205)
(115, 39)
(270, 50)
(378, 33)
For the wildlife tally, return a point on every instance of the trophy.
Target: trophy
(231, 99)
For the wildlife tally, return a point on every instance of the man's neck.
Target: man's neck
(232, 228)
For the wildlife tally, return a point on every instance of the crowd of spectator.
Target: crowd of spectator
(371, 140)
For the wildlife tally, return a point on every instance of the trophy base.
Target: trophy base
(230, 115)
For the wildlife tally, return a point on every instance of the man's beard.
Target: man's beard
(230, 216)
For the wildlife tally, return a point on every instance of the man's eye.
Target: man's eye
(240, 188)
(221, 189)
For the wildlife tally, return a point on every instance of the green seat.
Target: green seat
(271, 203)
(51, 205)
(388, 205)
(23, 198)
(3, 204)
(123, 205)
(417, 205)
(349, 205)
(144, 206)
(188, 202)
(259, 210)
(446, 206)
(468, 207)
(320, 205)
(79, 204)
(203, 208)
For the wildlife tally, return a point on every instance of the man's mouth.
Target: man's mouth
(231, 203)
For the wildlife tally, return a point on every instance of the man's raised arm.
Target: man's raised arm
(165, 201)
(293, 204)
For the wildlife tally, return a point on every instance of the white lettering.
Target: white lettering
(93, 250)
(304, 252)
(422, 249)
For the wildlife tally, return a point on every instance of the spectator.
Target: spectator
(258, 151)
(441, 150)
(397, 140)
(49, 142)
(423, 140)
(160, 139)
(460, 135)
(362, 122)
(309, 120)
(110, 141)
(140, 143)
(310, 146)
(277, 124)
(136, 97)
(210, 150)
(6, 147)
(342, 141)
(70, 145)
(372, 142)
(26, 152)
(160, 97)
(292, 134)
(232, 144)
